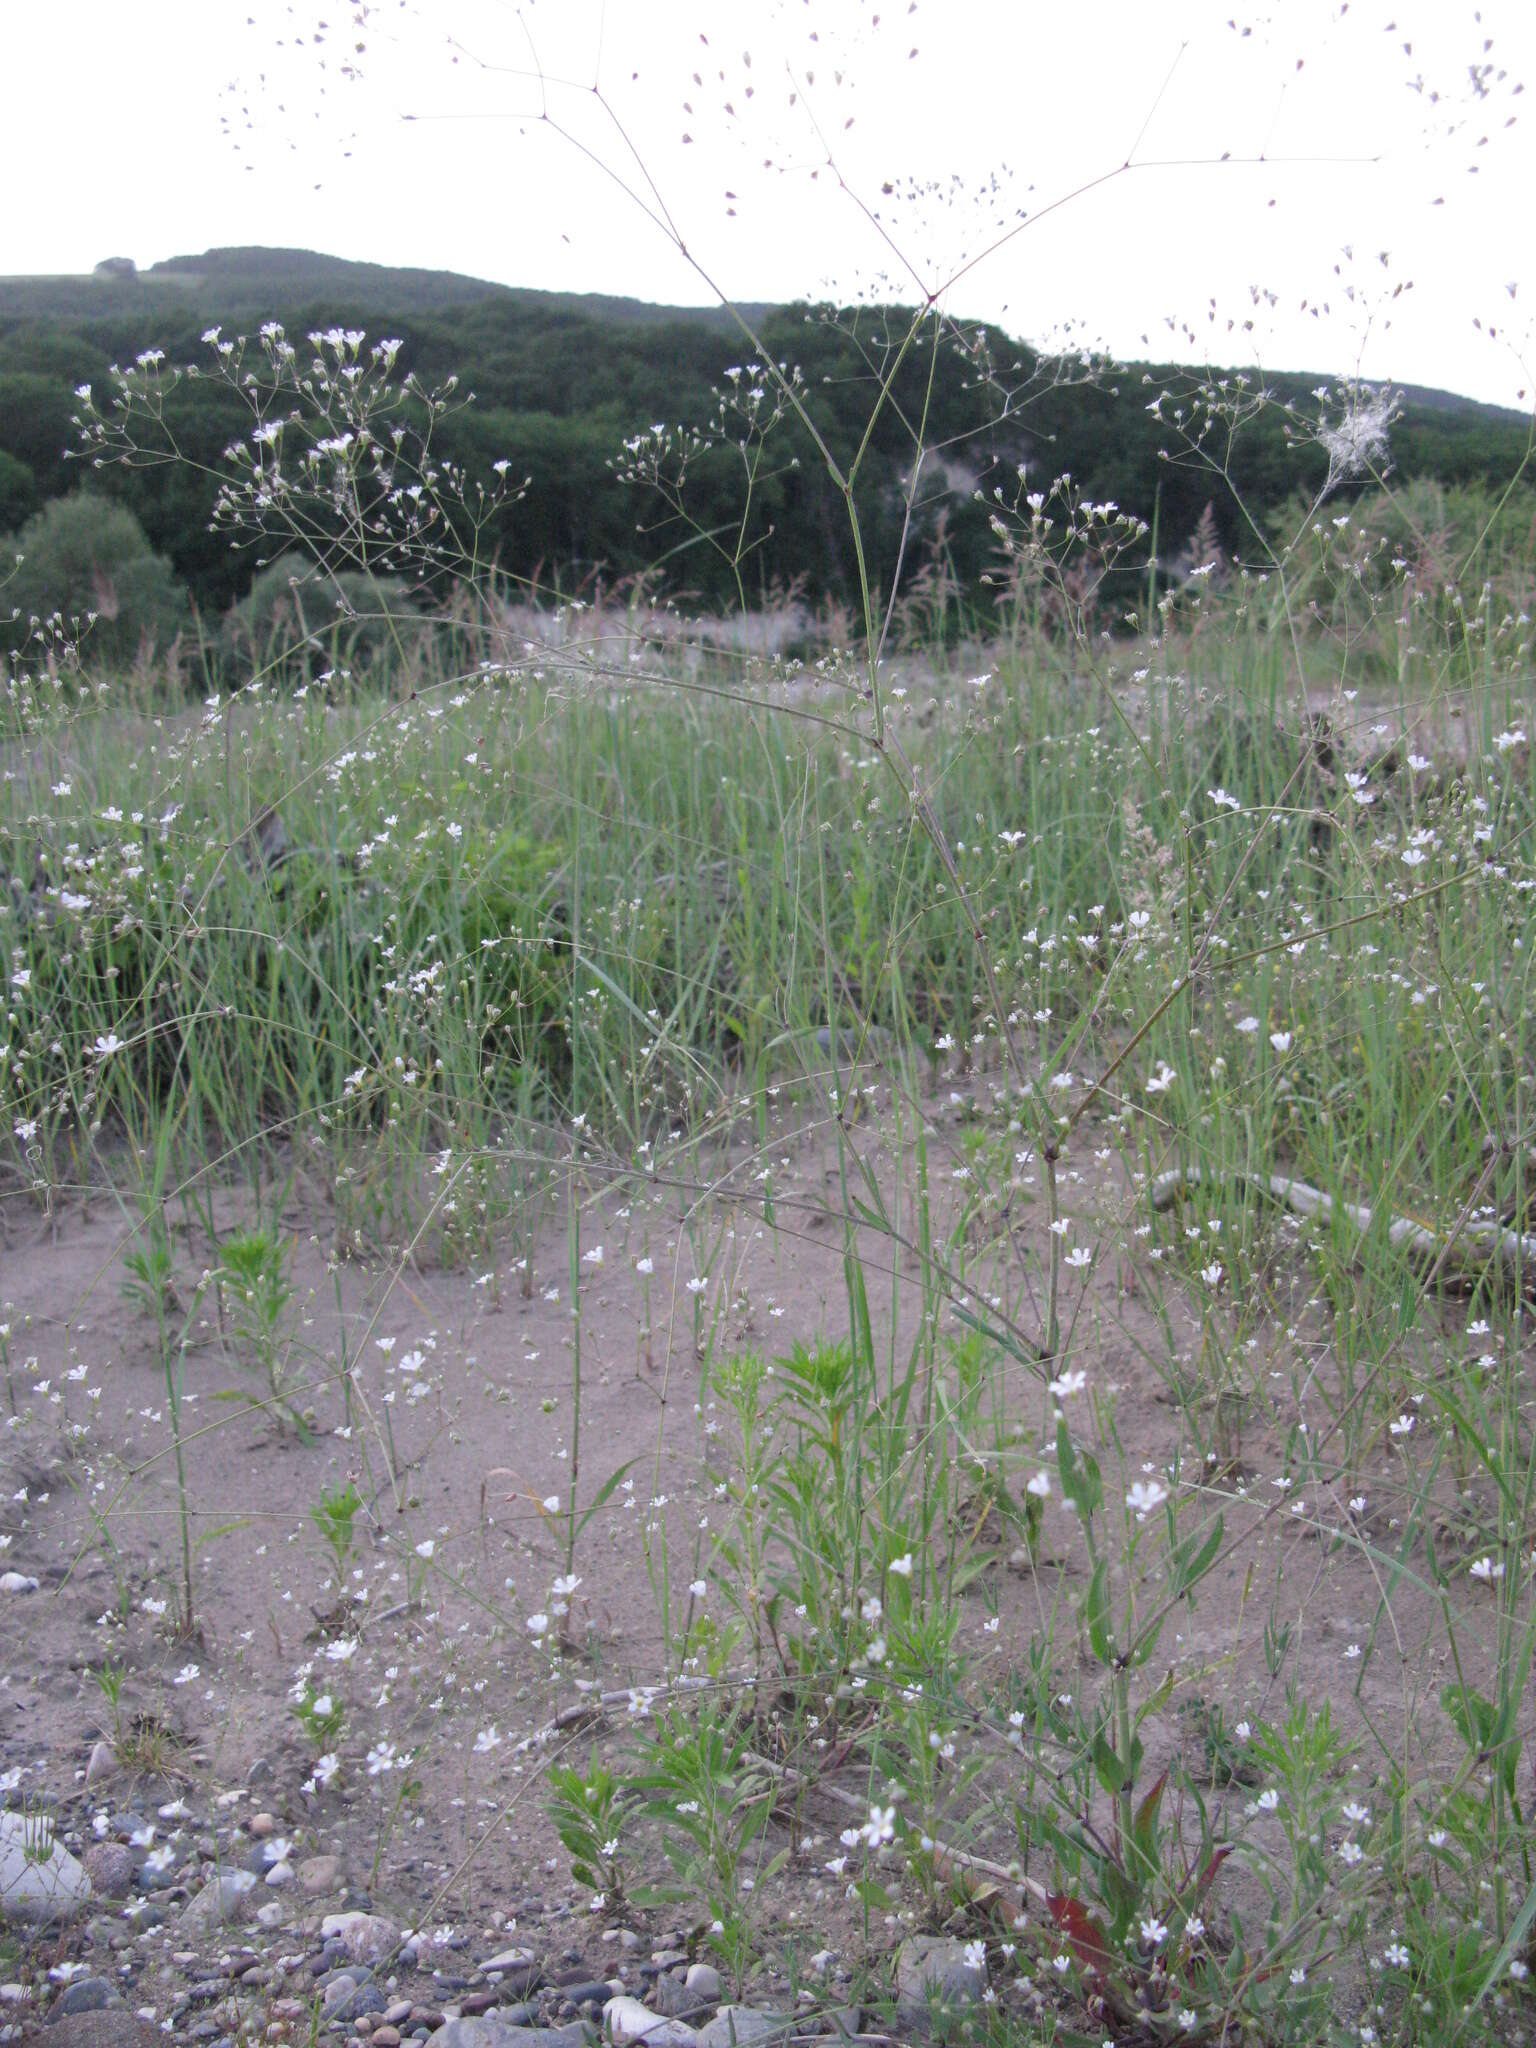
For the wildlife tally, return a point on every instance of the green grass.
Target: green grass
(573, 912)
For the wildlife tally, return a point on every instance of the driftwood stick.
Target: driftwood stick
(1465, 1252)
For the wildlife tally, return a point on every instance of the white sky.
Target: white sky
(164, 130)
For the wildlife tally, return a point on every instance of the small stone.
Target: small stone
(102, 1764)
(88, 1994)
(493, 2032)
(703, 1981)
(937, 1966)
(397, 2014)
(743, 2025)
(366, 1937)
(272, 1914)
(221, 1899)
(626, 2021)
(262, 1825)
(385, 2036)
(338, 1991)
(509, 1959)
(109, 1866)
(33, 1886)
(111, 2028)
(17, 1583)
(319, 1874)
(279, 1875)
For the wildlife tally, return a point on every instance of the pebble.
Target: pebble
(320, 1874)
(88, 1994)
(279, 1875)
(102, 1764)
(739, 2026)
(703, 1982)
(109, 1866)
(222, 1898)
(262, 1825)
(365, 1937)
(272, 1914)
(629, 2024)
(935, 1965)
(385, 2036)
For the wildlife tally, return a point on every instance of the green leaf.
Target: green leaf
(1096, 1612)
(604, 1493)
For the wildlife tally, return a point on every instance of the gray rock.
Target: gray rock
(508, 1959)
(934, 1966)
(102, 1764)
(744, 2025)
(629, 2024)
(87, 1994)
(703, 1983)
(672, 1999)
(320, 1874)
(222, 1898)
(110, 2029)
(109, 1866)
(272, 1914)
(39, 1879)
(489, 2031)
(366, 1937)
(279, 1875)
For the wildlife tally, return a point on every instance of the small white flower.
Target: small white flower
(697, 1286)
(1040, 1485)
(108, 1043)
(1280, 1040)
(486, 1741)
(1146, 1495)
(1153, 1932)
(698, 1589)
(1247, 1024)
(426, 1547)
(1225, 802)
(901, 1567)
(593, 1257)
(537, 1625)
(186, 1674)
(645, 1266)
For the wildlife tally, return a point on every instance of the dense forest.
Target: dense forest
(560, 383)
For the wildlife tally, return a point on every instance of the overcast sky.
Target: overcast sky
(1058, 168)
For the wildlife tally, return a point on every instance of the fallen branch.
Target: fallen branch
(1465, 1252)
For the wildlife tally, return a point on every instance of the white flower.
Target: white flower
(1153, 1932)
(901, 1566)
(1223, 800)
(880, 1827)
(186, 1674)
(551, 1503)
(537, 1625)
(381, 1758)
(486, 1741)
(1280, 1040)
(1066, 1383)
(698, 1588)
(1040, 1485)
(1078, 1258)
(321, 1708)
(1145, 1495)
(1505, 740)
(1412, 857)
(108, 1043)
(1395, 1954)
(593, 1257)
(645, 1266)
(426, 1547)
(1211, 1274)
(697, 1286)
(341, 1650)
(1247, 1024)
(1350, 1853)
(976, 1955)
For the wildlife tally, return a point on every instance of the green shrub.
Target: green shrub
(89, 559)
(298, 615)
